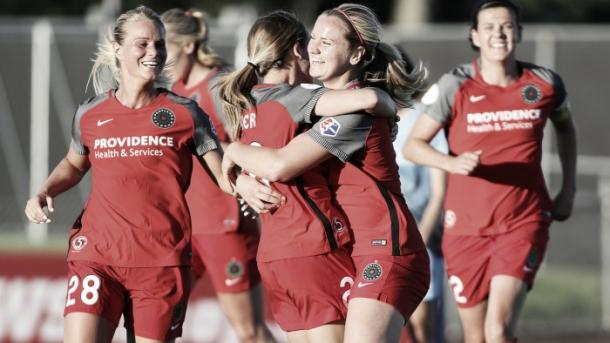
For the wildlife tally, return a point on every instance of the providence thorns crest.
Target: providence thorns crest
(163, 118)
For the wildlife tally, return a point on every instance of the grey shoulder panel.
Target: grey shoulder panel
(77, 140)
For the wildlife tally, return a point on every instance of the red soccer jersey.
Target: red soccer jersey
(212, 210)
(507, 189)
(308, 223)
(367, 185)
(136, 215)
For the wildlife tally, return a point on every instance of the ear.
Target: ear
(300, 52)
(474, 36)
(189, 48)
(357, 55)
(519, 33)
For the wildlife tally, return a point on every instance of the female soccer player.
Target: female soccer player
(497, 207)
(303, 263)
(391, 261)
(130, 247)
(224, 237)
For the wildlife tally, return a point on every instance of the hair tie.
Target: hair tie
(352, 25)
(255, 66)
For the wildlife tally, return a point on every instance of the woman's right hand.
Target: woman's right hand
(37, 209)
(464, 163)
(259, 196)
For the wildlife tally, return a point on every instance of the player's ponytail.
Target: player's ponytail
(184, 27)
(270, 40)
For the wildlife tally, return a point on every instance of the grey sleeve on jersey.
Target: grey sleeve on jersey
(77, 140)
(343, 135)
(301, 100)
(204, 138)
(438, 100)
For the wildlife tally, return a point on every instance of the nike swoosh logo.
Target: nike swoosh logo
(174, 327)
(232, 282)
(360, 284)
(104, 122)
(477, 98)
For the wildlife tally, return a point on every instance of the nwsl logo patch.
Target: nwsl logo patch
(330, 127)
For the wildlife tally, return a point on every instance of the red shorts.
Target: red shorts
(401, 281)
(229, 258)
(473, 260)
(308, 292)
(153, 300)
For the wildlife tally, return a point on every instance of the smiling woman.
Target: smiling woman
(138, 141)
(497, 220)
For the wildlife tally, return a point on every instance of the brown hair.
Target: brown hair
(184, 27)
(270, 40)
(382, 65)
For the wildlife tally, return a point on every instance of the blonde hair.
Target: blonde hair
(382, 65)
(105, 58)
(270, 40)
(184, 27)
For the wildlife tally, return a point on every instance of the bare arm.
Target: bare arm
(566, 148)
(211, 162)
(418, 149)
(432, 212)
(66, 175)
(370, 99)
(301, 154)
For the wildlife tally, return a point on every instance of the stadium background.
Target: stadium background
(45, 60)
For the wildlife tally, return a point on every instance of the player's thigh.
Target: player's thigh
(230, 260)
(158, 298)
(372, 321)
(82, 327)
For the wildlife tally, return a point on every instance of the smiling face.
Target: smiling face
(142, 54)
(496, 34)
(330, 52)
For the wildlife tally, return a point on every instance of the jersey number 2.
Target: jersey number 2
(89, 295)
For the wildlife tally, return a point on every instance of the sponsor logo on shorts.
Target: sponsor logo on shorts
(531, 94)
(372, 271)
(178, 315)
(450, 219)
(533, 258)
(163, 118)
(234, 269)
(232, 281)
(339, 227)
(79, 243)
(364, 284)
(330, 127)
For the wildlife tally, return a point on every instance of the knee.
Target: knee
(496, 332)
(246, 332)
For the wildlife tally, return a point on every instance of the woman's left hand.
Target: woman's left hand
(563, 205)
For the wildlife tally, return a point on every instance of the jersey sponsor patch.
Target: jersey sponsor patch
(339, 226)
(531, 94)
(379, 242)
(372, 271)
(163, 118)
(330, 127)
(79, 243)
(450, 219)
